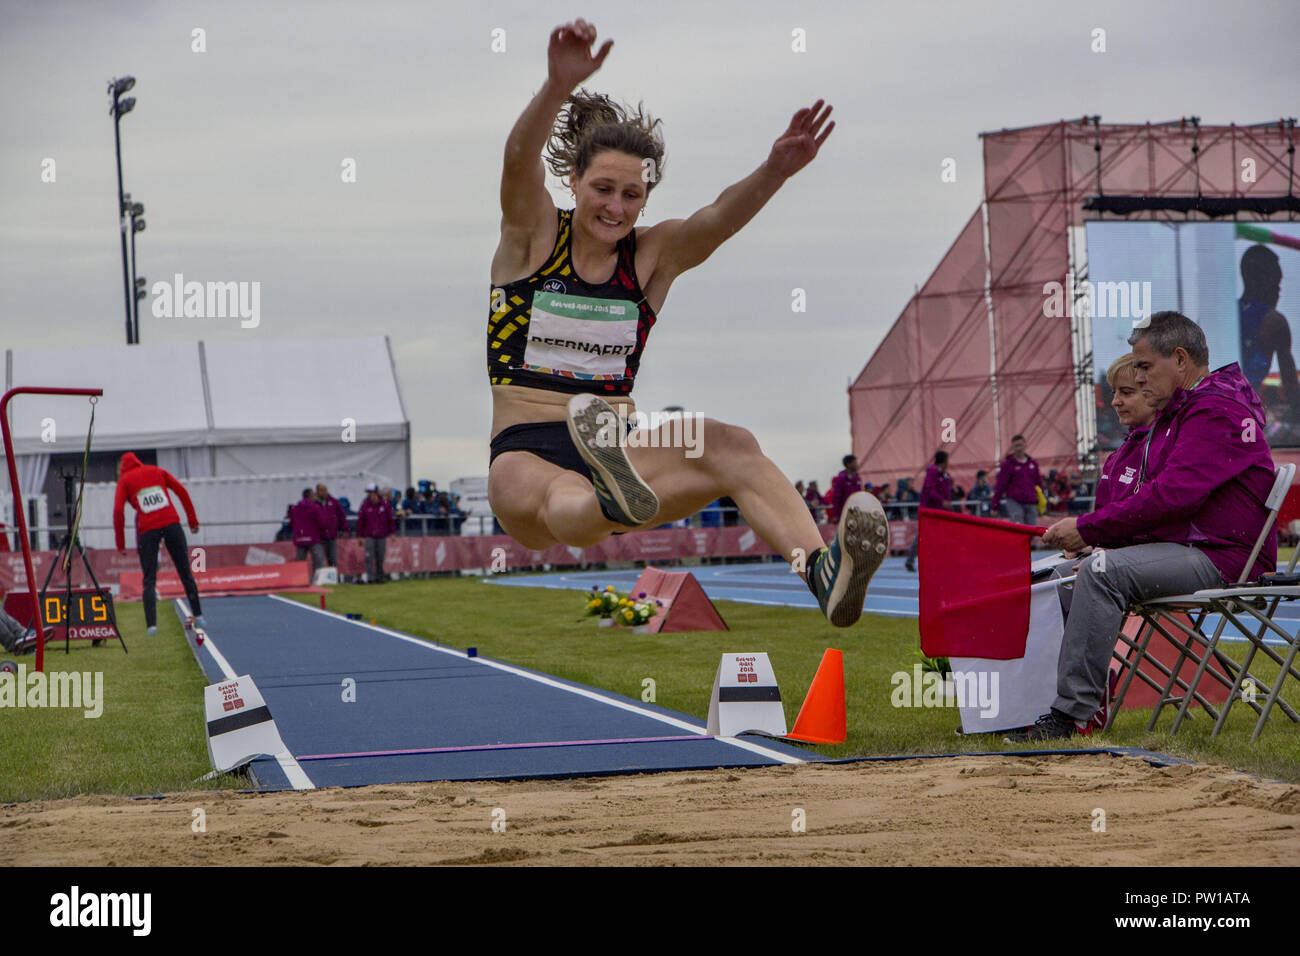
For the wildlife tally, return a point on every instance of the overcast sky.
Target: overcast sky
(237, 153)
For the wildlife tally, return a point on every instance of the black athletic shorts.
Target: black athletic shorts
(549, 441)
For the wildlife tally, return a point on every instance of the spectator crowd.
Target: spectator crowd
(1014, 489)
(317, 520)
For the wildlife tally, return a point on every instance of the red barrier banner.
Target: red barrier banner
(291, 574)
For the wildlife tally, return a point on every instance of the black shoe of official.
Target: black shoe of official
(1053, 725)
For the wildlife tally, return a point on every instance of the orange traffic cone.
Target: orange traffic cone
(822, 717)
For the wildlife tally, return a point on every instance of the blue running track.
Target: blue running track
(450, 717)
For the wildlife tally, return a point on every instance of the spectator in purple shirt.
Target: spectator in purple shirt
(1202, 481)
(1017, 485)
(846, 483)
(936, 492)
(375, 523)
(334, 524)
(305, 518)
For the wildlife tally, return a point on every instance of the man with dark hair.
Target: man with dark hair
(846, 483)
(936, 492)
(1017, 485)
(1265, 332)
(1204, 476)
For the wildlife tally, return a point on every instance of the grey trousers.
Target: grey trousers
(1019, 513)
(10, 631)
(1109, 581)
(376, 548)
(316, 553)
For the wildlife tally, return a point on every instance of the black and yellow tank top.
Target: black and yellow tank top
(552, 330)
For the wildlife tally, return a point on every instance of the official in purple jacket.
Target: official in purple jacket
(375, 523)
(333, 524)
(936, 492)
(1017, 484)
(1203, 477)
(305, 520)
(1133, 409)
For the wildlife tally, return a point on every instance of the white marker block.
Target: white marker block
(745, 697)
(325, 576)
(240, 727)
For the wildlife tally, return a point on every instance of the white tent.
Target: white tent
(236, 407)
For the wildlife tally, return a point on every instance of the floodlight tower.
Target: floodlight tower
(119, 108)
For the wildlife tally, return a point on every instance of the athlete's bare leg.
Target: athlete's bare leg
(539, 503)
(732, 465)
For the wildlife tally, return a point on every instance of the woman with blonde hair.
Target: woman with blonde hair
(1121, 475)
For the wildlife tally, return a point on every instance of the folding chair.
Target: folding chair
(1229, 603)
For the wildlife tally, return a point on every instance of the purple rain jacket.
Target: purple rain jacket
(333, 518)
(1017, 481)
(937, 490)
(1119, 476)
(305, 518)
(375, 519)
(1208, 473)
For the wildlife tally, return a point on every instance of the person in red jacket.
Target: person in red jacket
(375, 523)
(145, 488)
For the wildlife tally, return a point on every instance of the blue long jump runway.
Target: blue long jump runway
(426, 712)
(894, 591)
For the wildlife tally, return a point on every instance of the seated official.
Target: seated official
(1203, 477)
(1119, 475)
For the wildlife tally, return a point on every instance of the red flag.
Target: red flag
(974, 585)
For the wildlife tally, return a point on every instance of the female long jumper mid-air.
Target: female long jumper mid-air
(559, 344)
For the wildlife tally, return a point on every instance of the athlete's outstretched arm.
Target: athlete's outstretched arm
(685, 243)
(524, 199)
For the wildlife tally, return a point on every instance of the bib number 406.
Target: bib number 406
(151, 499)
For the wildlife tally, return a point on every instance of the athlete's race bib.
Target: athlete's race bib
(580, 337)
(151, 499)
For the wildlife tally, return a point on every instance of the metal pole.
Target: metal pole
(121, 215)
(135, 299)
(19, 506)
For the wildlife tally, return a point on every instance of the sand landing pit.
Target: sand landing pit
(985, 810)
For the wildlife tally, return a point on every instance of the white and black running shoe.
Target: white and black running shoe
(597, 432)
(841, 573)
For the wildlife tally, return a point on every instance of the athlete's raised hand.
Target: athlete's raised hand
(799, 144)
(569, 58)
